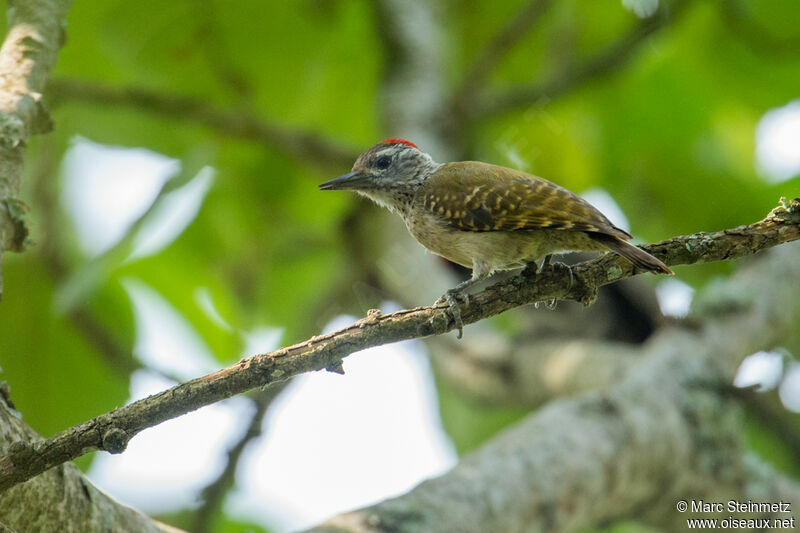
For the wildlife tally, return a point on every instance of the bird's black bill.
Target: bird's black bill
(351, 180)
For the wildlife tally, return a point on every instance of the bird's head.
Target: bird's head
(389, 173)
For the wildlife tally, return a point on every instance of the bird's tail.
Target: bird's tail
(634, 254)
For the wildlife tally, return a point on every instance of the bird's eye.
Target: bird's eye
(383, 162)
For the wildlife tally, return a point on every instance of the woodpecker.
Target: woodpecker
(484, 217)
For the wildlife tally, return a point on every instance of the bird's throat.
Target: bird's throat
(394, 200)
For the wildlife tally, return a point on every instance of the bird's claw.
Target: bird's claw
(547, 265)
(571, 275)
(550, 304)
(451, 298)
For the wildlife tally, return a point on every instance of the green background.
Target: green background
(670, 135)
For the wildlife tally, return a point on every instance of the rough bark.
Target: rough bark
(113, 430)
(26, 58)
(61, 499)
(669, 430)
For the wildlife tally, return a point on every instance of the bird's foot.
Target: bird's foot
(451, 297)
(530, 270)
(552, 266)
(569, 271)
(551, 304)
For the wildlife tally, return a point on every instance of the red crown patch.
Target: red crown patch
(401, 141)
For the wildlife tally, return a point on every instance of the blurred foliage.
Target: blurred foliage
(184, 520)
(469, 422)
(776, 442)
(670, 135)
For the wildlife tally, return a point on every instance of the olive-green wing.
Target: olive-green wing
(475, 196)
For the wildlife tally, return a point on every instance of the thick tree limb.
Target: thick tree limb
(26, 57)
(305, 147)
(604, 63)
(113, 430)
(667, 430)
(62, 499)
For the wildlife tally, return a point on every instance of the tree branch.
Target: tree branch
(667, 430)
(113, 430)
(305, 147)
(554, 354)
(26, 57)
(62, 499)
(608, 61)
